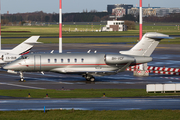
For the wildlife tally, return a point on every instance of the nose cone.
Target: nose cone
(8, 67)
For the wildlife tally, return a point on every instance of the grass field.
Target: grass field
(88, 40)
(83, 93)
(86, 114)
(81, 30)
(92, 115)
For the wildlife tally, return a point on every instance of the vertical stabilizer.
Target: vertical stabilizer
(25, 46)
(147, 44)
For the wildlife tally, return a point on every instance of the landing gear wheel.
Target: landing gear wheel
(92, 79)
(22, 80)
(21, 77)
(89, 78)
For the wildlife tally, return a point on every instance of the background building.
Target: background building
(114, 26)
(119, 10)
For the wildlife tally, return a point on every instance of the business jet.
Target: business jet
(88, 64)
(22, 49)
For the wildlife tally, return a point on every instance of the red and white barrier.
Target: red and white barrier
(164, 69)
(167, 73)
(157, 70)
(151, 68)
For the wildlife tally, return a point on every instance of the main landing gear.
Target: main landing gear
(89, 77)
(21, 77)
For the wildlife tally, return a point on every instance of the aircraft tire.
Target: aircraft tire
(21, 79)
(89, 78)
(92, 79)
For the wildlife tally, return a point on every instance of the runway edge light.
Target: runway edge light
(47, 95)
(104, 95)
(29, 95)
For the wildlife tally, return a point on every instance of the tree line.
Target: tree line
(40, 16)
(92, 16)
(173, 17)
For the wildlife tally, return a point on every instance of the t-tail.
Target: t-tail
(147, 44)
(25, 46)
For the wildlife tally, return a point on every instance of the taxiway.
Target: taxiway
(91, 104)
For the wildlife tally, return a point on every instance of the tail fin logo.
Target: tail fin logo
(139, 49)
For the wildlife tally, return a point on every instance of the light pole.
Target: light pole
(60, 26)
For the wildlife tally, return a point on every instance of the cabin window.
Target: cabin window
(61, 60)
(75, 60)
(68, 60)
(49, 60)
(55, 60)
(82, 60)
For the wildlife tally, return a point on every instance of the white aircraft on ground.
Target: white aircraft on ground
(88, 64)
(22, 49)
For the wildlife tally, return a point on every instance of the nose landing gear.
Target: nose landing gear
(21, 77)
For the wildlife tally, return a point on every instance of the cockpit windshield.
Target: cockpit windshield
(23, 57)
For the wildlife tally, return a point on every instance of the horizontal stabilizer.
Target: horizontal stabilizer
(32, 43)
(160, 37)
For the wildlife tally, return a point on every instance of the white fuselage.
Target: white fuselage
(6, 56)
(74, 62)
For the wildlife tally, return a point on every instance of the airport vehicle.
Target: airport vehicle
(22, 49)
(88, 64)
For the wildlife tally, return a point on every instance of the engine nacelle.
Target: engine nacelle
(118, 59)
(9, 57)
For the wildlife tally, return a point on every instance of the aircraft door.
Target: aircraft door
(37, 62)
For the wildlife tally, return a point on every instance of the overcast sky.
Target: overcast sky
(68, 6)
